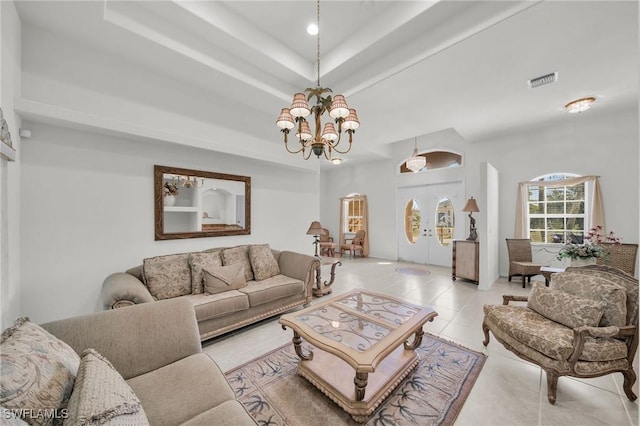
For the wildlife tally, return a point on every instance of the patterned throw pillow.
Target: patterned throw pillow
(596, 288)
(37, 372)
(199, 262)
(263, 263)
(564, 308)
(167, 276)
(224, 278)
(101, 396)
(239, 254)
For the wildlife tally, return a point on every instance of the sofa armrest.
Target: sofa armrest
(122, 289)
(136, 339)
(299, 266)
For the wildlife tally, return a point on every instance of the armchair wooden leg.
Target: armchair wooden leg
(485, 328)
(552, 385)
(629, 380)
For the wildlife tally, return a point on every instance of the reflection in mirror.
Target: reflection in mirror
(445, 222)
(412, 221)
(194, 203)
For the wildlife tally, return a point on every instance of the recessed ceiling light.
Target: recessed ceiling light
(579, 105)
(336, 160)
(312, 29)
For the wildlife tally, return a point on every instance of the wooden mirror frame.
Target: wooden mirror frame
(158, 182)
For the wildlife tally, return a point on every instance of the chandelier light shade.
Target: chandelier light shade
(579, 105)
(324, 139)
(416, 162)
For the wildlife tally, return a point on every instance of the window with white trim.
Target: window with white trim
(556, 214)
(353, 213)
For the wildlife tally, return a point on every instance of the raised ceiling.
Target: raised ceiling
(411, 68)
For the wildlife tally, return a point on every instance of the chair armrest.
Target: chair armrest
(136, 339)
(580, 335)
(122, 289)
(513, 298)
(299, 266)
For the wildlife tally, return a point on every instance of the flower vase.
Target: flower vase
(583, 261)
(169, 200)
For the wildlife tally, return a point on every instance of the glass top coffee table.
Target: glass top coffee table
(361, 335)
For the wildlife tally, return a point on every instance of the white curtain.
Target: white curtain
(595, 207)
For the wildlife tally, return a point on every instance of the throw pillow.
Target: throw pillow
(199, 262)
(167, 276)
(263, 263)
(37, 372)
(101, 396)
(564, 308)
(239, 254)
(596, 288)
(224, 278)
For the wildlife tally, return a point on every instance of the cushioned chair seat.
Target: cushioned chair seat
(228, 413)
(179, 391)
(550, 338)
(277, 287)
(209, 306)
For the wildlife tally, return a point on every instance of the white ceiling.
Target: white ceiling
(410, 68)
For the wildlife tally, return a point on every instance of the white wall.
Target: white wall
(10, 82)
(87, 211)
(591, 143)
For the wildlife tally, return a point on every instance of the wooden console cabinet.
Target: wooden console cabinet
(466, 260)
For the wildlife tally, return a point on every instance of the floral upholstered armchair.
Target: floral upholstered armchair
(584, 325)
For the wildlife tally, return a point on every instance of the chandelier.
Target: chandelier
(324, 139)
(416, 162)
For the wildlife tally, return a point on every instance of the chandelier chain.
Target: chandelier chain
(318, 43)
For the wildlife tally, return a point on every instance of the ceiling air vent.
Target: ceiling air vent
(545, 79)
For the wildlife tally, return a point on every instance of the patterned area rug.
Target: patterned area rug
(432, 394)
(411, 270)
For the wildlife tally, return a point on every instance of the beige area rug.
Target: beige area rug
(432, 394)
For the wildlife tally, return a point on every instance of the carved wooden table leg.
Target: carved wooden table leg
(325, 288)
(297, 345)
(361, 384)
(417, 340)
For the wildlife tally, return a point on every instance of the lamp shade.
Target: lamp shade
(329, 132)
(471, 206)
(305, 132)
(285, 119)
(315, 228)
(339, 108)
(351, 122)
(299, 106)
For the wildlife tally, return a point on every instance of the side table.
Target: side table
(546, 272)
(323, 288)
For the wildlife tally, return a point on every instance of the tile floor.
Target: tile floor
(509, 391)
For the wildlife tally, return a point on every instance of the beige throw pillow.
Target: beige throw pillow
(102, 396)
(224, 278)
(38, 371)
(564, 308)
(239, 254)
(167, 276)
(263, 263)
(199, 262)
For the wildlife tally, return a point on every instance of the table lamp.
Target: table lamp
(315, 229)
(471, 207)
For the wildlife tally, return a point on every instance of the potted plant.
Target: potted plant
(170, 192)
(587, 252)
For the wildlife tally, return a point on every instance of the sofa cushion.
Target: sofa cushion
(565, 308)
(273, 288)
(224, 278)
(198, 262)
(263, 263)
(549, 337)
(167, 276)
(209, 306)
(181, 390)
(37, 369)
(101, 396)
(239, 254)
(595, 288)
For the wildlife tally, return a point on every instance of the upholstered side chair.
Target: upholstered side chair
(521, 260)
(585, 325)
(352, 245)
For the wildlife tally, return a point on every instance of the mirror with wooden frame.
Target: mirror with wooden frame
(197, 204)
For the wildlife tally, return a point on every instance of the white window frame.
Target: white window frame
(345, 206)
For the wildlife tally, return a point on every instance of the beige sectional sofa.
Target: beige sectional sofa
(228, 288)
(137, 366)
